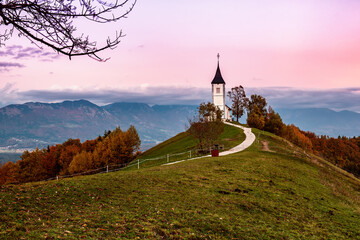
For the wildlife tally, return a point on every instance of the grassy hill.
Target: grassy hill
(184, 142)
(283, 193)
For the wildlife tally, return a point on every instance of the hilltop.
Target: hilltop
(282, 193)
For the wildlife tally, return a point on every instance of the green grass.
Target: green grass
(183, 142)
(285, 194)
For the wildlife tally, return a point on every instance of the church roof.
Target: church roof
(218, 79)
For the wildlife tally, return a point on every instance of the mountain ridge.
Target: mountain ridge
(323, 121)
(36, 124)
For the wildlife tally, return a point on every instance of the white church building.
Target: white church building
(218, 93)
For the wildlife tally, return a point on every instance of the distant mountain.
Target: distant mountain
(37, 124)
(33, 125)
(154, 124)
(323, 121)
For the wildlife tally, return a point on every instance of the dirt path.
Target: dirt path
(265, 146)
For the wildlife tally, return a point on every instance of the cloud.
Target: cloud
(5, 66)
(19, 52)
(150, 95)
(6, 88)
(9, 64)
(336, 99)
(8, 94)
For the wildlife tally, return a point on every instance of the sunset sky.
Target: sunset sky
(301, 53)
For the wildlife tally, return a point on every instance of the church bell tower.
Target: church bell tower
(218, 89)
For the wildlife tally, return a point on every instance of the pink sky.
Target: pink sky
(302, 44)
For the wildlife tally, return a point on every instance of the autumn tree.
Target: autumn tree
(9, 173)
(273, 122)
(207, 125)
(70, 157)
(116, 148)
(208, 111)
(255, 118)
(82, 162)
(297, 137)
(89, 146)
(52, 23)
(260, 102)
(68, 151)
(31, 167)
(239, 101)
(50, 161)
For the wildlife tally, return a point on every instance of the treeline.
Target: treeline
(72, 156)
(342, 151)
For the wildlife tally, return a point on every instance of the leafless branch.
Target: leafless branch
(50, 22)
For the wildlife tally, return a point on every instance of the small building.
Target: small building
(218, 93)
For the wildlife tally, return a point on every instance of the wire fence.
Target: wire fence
(171, 157)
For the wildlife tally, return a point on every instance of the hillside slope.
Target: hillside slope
(183, 141)
(283, 193)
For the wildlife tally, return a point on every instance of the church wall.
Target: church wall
(218, 91)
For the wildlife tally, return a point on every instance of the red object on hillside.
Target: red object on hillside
(215, 152)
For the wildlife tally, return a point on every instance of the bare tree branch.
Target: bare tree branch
(50, 22)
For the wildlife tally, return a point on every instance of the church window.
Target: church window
(217, 90)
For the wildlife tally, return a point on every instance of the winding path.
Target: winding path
(249, 139)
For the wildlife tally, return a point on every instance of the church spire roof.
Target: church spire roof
(218, 79)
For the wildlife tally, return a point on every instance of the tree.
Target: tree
(256, 119)
(207, 126)
(209, 112)
(9, 173)
(117, 148)
(51, 23)
(274, 123)
(260, 102)
(239, 101)
(82, 162)
(73, 157)
(69, 150)
(50, 161)
(31, 167)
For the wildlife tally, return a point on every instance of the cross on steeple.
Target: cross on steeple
(218, 79)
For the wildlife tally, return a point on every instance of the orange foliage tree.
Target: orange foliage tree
(72, 156)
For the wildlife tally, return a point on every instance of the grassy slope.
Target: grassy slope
(249, 195)
(183, 142)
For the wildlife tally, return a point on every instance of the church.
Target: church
(218, 93)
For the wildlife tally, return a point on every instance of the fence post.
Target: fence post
(190, 153)
(138, 163)
(167, 157)
(107, 168)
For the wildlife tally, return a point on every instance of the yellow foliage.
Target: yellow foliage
(81, 163)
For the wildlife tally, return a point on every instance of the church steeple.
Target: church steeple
(218, 79)
(218, 92)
